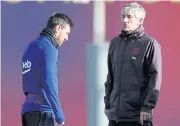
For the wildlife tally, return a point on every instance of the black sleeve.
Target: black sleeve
(109, 82)
(153, 65)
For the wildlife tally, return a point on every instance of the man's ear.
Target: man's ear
(58, 28)
(141, 21)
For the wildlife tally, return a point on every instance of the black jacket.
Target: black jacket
(134, 76)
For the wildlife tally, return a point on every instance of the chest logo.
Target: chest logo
(135, 51)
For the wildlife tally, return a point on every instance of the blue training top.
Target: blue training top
(39, 77)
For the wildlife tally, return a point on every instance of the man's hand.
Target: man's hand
(62, 124)
(144, 116)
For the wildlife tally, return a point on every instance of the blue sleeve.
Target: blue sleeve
(50, 82)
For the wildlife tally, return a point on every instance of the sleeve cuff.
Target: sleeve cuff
(148, 110)
(60, 118)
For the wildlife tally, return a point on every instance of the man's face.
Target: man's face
(130, 22)
(62, 34)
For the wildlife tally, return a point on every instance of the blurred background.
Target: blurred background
(21, 22)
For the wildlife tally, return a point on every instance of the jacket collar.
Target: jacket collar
(136, 33)
(49, 33)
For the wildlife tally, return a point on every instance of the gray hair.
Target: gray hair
(138, 11)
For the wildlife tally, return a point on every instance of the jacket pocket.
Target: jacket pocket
(133, 99)
(113, 111)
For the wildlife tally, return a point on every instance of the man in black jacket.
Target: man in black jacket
(134, 72)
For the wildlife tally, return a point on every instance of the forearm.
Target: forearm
(108, 90)
(150, 100)
(56, 106)
(152, 92)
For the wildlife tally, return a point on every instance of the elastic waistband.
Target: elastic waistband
(33, 98)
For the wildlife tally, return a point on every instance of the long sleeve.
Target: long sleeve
(109, 82)
(50, 82)
(153, 65)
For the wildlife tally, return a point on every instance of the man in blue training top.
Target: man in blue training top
(39, 74)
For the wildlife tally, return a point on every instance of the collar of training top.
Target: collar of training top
(50, 34)
(136, 33)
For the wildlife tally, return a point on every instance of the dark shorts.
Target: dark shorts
(114, 123)
(37, 118)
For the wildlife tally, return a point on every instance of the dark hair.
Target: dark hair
(59, 19)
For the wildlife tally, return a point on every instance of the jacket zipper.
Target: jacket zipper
(124, 45)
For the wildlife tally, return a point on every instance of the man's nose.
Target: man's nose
(125, 19)
(66, 38)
